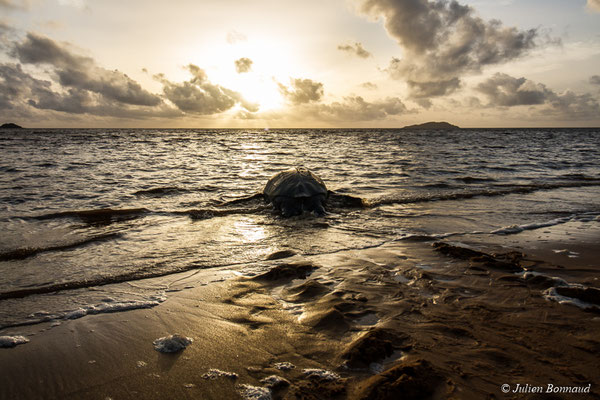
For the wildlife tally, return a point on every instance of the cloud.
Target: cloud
(199, 96)
(77, 86)
(595, 80)
(355, 108)
(15, 4)
(506, 91)
(234, 37)
(302, 91)
(443, 40)
(593, 5)
(82, 73)
(6, 34)
(350, 109)
(357, 50)
(433, 88)
(243, 65)
(369, 85)
(22, 94)
(16, 84)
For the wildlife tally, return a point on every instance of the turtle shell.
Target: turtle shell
(294, 182)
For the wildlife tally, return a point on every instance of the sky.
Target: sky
(290, 64)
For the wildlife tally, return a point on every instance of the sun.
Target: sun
(258, 89)
(272, 62)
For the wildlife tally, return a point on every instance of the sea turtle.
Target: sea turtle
(296, 190)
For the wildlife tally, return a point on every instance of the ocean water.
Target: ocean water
(83, 209)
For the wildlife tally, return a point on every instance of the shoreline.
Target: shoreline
(400, 317)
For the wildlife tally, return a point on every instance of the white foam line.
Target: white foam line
(507, 230)
(551, 294)
(114, 307)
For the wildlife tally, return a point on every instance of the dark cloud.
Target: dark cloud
(22, 94)
(595, 80)
(199, 96)
(302, 91)
(81, 73)
(16, 85)
(235, 37)
(574, 106)
(433, 88)
(79, 86)
(243, 65)
(356, 49)
(444, 40)
(502, 90)
(594, 5)
(506, 91)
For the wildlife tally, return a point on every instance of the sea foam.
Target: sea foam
(315, 373)
(12, 341)
(249, 392)
(172, 343)
(114, 307)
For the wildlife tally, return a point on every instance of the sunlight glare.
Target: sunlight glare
(271, 63)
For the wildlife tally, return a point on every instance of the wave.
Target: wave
(23, 253)
(255, 203)
(102, 215)
(207, 213)
(107, 306)
(161, 191)
(174, 190)
(521, 189)
(512, 229)
(472, 179)
(149, 272)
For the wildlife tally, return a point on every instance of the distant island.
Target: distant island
(439, 126)
(10, 125)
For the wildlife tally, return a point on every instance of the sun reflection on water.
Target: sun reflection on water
(248, 231)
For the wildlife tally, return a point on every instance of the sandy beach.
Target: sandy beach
(299, 200)
(409, 319)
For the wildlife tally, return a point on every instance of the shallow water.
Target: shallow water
(165, 190)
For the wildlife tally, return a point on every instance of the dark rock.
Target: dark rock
(589, 295)
(10, 125)
(506, 262)
(297, 270)
(409, 380)
(458, 252)
(540, 281)
(374, 346)
(281, 254)
(432, 126)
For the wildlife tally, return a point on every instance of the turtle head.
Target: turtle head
(291, 206)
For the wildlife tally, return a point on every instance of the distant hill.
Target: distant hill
(10, 125)
(439, 126)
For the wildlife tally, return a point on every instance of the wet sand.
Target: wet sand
(410, 319)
